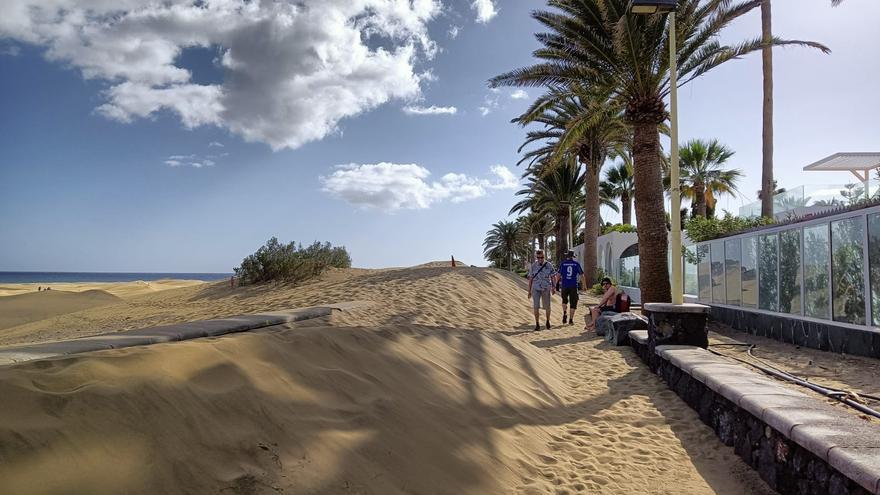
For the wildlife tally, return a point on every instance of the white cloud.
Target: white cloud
(193, 161)
(519, 95)
(432, 110)
(292, 69)
(454, 31)
(215, 144)
(10, 50)
(486, 10)
(490, 102)
(393, 186)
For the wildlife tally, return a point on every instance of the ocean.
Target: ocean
(37, 277)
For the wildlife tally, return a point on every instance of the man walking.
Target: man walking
(542, 285)
(569, 270)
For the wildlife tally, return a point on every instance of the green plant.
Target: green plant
(619, 227)
(701, 229)
(597, 289)
(291, 263)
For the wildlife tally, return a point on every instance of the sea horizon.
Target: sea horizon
(25, 277)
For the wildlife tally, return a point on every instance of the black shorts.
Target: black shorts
(570, 294)
(602, 309)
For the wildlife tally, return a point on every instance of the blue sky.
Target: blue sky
(99, 137)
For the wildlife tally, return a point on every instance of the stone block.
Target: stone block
(843, 432)
(735, 391)
(716, 375)
(859, 464)
(640, 336)
(621, 324)
(784, 418)
(603, 323)
(755, 404)
(677, 324)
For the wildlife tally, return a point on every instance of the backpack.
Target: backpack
(621, 303)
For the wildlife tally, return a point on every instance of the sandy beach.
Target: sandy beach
(437, 387)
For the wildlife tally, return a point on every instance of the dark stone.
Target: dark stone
(603, 323)
(619, 325)
(677, 328)
(766, 464)
(837, 485)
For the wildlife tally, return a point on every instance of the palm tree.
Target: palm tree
(503, 242)
(553, 192)
(703, 177)
(599, 45)
(767, 182)
(619, 184)
(587, 126)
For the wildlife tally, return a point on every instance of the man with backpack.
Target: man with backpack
(608, 302)
(569, 270)
(542, 284)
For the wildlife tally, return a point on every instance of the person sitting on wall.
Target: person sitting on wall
(609, 298)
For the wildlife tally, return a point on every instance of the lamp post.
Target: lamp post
(649, 7)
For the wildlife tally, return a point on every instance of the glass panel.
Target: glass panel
(790, 272)
(816, 259)
(732, 258)
(768, 276)
(690, 271)
(704, 276)
(624, 276)
(634, 262)
(749, 272)
(717, 252)
(874, 259)
(847, 263)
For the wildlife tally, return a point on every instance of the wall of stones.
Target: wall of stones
(822, 335)
(782, 464)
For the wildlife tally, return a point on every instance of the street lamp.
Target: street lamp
(668, 7)
(653, 6)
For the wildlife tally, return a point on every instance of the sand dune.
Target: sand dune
(34, 306)
(121, 289)
(436, 388)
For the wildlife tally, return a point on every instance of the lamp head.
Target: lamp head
(653, 6)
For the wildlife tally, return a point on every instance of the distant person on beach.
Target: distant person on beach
(569, 270)
(542, 279)
(605, 304)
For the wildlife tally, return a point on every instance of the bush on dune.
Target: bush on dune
(290, 263)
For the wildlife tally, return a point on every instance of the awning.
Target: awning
(859, 164)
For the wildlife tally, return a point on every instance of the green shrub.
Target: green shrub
(290, 263)
(620, 227)
(597, 289)
(704, 229)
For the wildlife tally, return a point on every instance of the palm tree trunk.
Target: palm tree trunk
(700, 199)
(626, 208)
(542, 244)
(510, 262)
(650, 214)
(591, 220)
(562, 226)
(767, 135)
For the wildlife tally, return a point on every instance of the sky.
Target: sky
(179, 137)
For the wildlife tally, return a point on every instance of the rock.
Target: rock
(619, 326)
(603, 323)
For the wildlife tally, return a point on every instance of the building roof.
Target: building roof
(847, 162)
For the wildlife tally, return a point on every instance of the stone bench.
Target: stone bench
(167, 333)
(616, 326)
(798, 443)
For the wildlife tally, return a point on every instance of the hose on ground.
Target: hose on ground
(845, 396)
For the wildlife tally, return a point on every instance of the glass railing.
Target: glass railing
(804, 200)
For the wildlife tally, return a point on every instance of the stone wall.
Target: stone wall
(824, 335)
(783, 464)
